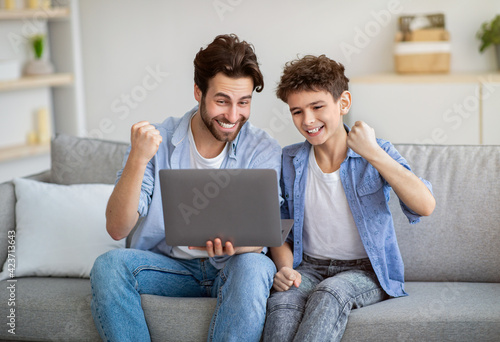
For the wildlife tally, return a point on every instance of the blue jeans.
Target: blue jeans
(120, 276)
(319, 308)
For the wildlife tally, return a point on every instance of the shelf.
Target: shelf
(428, 78)
(52, 80)
(38, 14)
(22, 151)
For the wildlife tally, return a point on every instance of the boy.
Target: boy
(342, 252)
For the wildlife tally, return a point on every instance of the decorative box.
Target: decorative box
(422, 45)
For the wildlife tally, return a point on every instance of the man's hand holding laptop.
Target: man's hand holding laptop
(215, 247)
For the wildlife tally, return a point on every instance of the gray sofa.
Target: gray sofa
(452, 258)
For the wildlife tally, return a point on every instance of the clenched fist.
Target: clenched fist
(286, 278)
(145, 140)
(361, 139)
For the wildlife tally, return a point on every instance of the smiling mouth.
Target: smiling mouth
(315, 130)
(225, 125)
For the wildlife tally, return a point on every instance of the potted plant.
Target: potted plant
(39, 65)
(489, 34)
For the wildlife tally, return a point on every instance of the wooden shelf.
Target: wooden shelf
(38, 14)
(428, 78)
(52, 80)
(22, 151)
(61, 93)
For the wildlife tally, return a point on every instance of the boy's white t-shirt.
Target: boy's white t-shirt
(198, 162)
(329, 228)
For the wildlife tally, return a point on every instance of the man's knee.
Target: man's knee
(252, 264)
(253, 269)
(107, 263)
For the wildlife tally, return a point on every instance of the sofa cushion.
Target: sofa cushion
(77, 160)
(58, 309)
(50, 309)
(435, 311)
(460, 241)
(438, 311)
(60, 229)
(178, 319)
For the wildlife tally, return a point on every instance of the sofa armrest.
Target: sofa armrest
(8, 210)
(7, 217)
(44, 176)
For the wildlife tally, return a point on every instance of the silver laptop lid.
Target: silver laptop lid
(237, 205)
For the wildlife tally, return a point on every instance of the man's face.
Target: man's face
(226, 105)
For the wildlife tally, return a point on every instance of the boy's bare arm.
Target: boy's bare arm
(121, 211)
(409, 188)
(286, 276)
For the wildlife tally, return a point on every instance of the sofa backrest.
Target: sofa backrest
(82, 160)
(460, 241)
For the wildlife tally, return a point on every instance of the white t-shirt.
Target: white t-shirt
(329, 228)
(198, 162)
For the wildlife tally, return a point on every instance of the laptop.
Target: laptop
(236, 205)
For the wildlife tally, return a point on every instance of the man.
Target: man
(214, 134)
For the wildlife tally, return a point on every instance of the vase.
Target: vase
(38, 67)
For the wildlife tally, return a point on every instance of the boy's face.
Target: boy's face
(317, 116)
(226, 105)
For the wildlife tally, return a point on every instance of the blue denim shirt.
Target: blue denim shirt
(367, 194)
(252, 149)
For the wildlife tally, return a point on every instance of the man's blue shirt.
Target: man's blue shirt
(252, 149)
(367, 194)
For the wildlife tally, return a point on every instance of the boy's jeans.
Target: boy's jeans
(120, 276)
(319, 308)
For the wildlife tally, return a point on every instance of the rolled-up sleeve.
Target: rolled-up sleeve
(410, 214)
(146, 187)
(146, 190)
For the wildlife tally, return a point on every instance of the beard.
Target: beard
(213, 126)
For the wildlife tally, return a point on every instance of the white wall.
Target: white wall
(124, 40)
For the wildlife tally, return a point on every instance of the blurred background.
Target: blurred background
(117, 62)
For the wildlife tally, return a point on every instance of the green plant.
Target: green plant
(37, 41)
(489, 33)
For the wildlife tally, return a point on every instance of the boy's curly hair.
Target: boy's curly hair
(312, 73)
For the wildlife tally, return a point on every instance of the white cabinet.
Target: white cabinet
(429, 109)
(61, 92)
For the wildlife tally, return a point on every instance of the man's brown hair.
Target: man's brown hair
(232, 57)
(314, 73)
